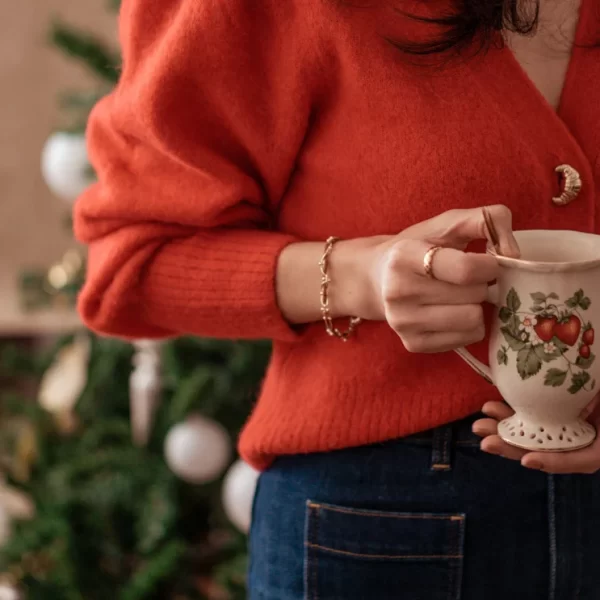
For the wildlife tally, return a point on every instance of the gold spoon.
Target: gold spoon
(493, 234)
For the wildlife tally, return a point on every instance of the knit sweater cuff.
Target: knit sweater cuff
(217, 284)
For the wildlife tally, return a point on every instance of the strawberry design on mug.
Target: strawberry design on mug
(567, 330)
(545, 334)
(544, 328)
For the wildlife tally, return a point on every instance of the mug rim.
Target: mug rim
(545, 266)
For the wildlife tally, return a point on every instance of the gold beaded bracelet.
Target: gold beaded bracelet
(325, 281)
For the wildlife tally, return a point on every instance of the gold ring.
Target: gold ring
(428, 261)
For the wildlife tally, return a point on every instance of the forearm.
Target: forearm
(298, 279)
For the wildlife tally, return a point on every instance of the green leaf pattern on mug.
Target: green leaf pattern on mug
(555, 377)
(528, 362)
(503, 356)
(550, 332)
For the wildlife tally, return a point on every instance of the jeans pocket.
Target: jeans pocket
(354, 554)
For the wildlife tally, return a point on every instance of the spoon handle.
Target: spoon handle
(491, 229)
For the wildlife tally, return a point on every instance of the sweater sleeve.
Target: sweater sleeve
(193, 152)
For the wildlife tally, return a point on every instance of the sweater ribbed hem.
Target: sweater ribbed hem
(355, 422)
(372, 390)
(218, 283)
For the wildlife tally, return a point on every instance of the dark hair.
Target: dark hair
(471, 21)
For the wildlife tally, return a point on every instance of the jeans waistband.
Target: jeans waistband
(461, 431)
(444, 439)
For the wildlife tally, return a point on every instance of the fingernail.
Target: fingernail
(534, 464)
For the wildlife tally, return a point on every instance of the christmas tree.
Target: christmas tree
(119, 476)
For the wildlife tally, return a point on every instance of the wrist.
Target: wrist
(352, 289)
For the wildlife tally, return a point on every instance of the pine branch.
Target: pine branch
(88, 50)
(112, 519)
(163, 565)
(157, 514)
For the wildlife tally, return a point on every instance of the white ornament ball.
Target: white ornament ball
(65, 165)
(8, 592)
(239, 488)
(198, 450)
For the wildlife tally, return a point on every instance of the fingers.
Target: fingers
(590, 408)
(485, 427)
(464, 226)
(429, 343)
(494, 444)
(456, 228)
(433, 319)
(488, 429)
(502, 218)
(449, 265)
(460, 268)
(433, 292)
(439, 293)
(436, 314)
(429, 329)
(586, 461)
(497, 410)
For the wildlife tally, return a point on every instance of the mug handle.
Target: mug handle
(473, 362)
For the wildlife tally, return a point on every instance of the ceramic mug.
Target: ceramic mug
(542, 345)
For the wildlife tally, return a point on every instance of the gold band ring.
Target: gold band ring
(428, 261)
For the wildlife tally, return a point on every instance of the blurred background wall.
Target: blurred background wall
(118, 475)
(32, 78)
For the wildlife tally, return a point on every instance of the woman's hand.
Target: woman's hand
(578, 461)
(444, 312)
(382, 278)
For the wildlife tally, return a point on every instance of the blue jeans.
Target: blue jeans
(429, 517)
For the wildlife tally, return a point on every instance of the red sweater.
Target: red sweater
(240, 126)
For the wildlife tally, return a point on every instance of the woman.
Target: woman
(246, 133)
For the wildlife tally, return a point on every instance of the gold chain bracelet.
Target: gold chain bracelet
(325, 281)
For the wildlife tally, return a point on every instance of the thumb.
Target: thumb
(456, 228)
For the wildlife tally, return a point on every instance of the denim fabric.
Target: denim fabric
(425, 518)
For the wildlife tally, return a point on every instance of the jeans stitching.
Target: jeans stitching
(436, 458)
(387, 556)
(459, 568)
(369, 513)
(451, 568)
(311, 561)
(552, 536)
(577, 541)
(454, 549)
(315, 557)
(446, 447)
(455, 559)
(306, 573)
(440, 455)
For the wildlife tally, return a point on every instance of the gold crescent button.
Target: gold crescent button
(572, 185)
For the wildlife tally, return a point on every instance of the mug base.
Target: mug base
(535, 436)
